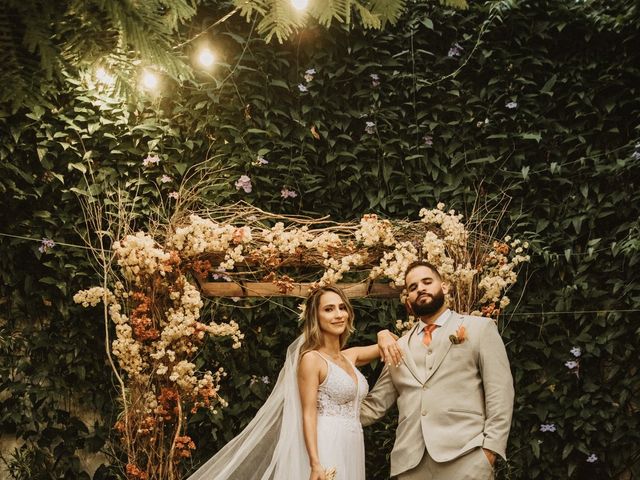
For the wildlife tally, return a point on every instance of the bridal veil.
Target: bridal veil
(272, 446)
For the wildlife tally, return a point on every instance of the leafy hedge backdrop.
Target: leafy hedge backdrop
(536, 100)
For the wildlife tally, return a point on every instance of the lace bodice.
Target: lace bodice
(339, 396)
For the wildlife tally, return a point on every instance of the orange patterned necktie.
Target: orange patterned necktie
(428, 329)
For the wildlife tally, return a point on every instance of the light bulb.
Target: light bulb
(149, 80)
(206, 57)
(300, 4)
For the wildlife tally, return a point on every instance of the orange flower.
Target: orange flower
(460, 336)
(461, 333)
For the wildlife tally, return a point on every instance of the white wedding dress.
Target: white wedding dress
(340, 440)
(272, 446)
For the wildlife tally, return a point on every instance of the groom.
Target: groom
(454, 390)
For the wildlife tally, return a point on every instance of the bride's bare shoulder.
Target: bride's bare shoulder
(311, 362)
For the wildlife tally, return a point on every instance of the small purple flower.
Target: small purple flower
(46, 245)
(244, 183)
(512, 105)
(592, 458)
(261, 160)
(375, 80)
(150, 160)
(302, 88)
(370, 128)
(165, 179)
(428, 140)
(576, 351)
(286, 193)
(311, 71)
(174, 195)
(265, 380)
(548, 427)
(571, 364)
(455, 50)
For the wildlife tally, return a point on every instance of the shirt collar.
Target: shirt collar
(440, 321)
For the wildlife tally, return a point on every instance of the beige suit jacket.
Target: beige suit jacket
(459, 398)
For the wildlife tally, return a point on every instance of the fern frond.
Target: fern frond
(388, 11)
(369, 19)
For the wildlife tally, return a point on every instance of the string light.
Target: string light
(300, 4)
(206, 57)
(150, 80)
(104, 77)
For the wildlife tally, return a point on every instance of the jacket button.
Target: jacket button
(424, 413)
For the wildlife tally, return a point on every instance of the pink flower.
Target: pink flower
(244, 183)
(165, 179)
(174, 195)
(286, 193)
(46, 245)
(150, 160)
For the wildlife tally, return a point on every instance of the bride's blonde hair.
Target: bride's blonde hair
(311, 327)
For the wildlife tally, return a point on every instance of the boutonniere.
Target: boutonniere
(460, 336)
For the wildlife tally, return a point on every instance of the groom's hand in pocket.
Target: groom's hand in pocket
(490, 456)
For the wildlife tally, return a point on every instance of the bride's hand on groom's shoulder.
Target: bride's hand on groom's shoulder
(390, 352)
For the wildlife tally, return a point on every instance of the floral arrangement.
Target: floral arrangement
(479, 269)
(155, 305)
(156, 312)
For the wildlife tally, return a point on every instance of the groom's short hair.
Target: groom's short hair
(422, 263)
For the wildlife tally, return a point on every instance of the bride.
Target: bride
(310, 423)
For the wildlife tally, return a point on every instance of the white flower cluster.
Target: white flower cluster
(180, 321)
(373, 231)
(209, 386)
(138, 255)
(323, 242)
(337, 268)
(454, 231)
(125, 348)
(206, 236)
(231, 329)
(183, 374)
(394, 263)
(286, 240)
(93, 296)
(402, 327)
(499, 271)
(231, 257)
(435, 250)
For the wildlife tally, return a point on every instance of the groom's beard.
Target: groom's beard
(421, 309)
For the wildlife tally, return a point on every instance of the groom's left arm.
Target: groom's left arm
(380, 399)
(498, 389)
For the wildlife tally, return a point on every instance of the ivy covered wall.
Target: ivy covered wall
(537, 101)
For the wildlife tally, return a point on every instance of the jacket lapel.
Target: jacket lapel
(442, 344)
(408, 356)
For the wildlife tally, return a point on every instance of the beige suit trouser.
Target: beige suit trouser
(471, 466)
